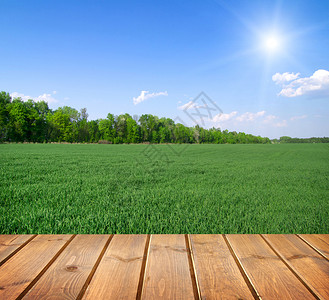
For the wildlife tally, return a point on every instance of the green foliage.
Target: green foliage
(289, 140)
(5, 100)
(34, 122)
(47, 188)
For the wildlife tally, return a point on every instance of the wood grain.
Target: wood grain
(10, 244)
(66, 277)
(167, 274)
(306, 261)
(319, 241)
(118, 273)
(270, 276)
(164, 266)
(218, 275)
(21, 269)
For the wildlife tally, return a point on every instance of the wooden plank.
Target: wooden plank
(67, 276)
(313, 268)
(22, 269)
(320, 242)
(118, 274)
(10, 244)
(218, 275)
(270, 276)
(167, 274)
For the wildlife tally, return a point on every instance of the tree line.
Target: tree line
(290, 140)
(30, 121)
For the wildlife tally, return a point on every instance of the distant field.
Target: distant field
(49, 188)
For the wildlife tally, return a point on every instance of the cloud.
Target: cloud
(283, 123)
(245, 117)
(316, 84)
(260, 119)
(44, 97)
(270, 118)
(54, 92)
(248, 116)
(224, 117)
(285, 77)
(192, 104)
(298, 118)
(146, 95)
(189, 105)
(19, 95)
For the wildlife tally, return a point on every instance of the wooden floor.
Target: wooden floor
(164, 266)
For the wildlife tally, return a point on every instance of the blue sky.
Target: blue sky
(264, 63)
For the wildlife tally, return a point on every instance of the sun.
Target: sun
(272, 43)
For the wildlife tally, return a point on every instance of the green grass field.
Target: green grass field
(48, 188)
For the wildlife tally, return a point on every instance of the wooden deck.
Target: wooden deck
(164, 266)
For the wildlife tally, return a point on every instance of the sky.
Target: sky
(261, 67)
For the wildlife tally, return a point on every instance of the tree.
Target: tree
(18, 124)
(93, 131)
(36, 122)
(5, 101)
(133, 131)
(107, 128)
(61, 126)
(148, 123)
(83, 130)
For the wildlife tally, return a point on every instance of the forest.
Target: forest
(290, 140)
(31, 121)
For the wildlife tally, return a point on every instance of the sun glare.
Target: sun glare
(272, 43)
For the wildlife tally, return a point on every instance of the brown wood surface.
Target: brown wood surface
(118, 273)
(11, 243)
(167, 274)
(306, 261)
(318, 241)
(21, 269)
(270, 276)
(218, 275)
(164, 267)
(66, 277)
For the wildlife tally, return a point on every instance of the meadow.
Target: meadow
(91, 188)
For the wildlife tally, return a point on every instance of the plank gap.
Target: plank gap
(196, 289)
(243, 272)
(313, 247)
(291, 268)
(143, 268)
(15, 251)
(91, 275)
(33, 282)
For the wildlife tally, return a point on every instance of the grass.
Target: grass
(47, 188)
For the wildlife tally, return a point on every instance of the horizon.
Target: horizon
(263, 64)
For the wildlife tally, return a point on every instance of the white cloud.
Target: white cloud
(294, 118)
(54, 92)
(248, 116)
(44, 97)
(146, 95)
(318, 82)
(248, 121)
(283, 123)
(19, 95)
(285, 77)
(270, 118)
(47, 98)
(224, 117)
(189, 105)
